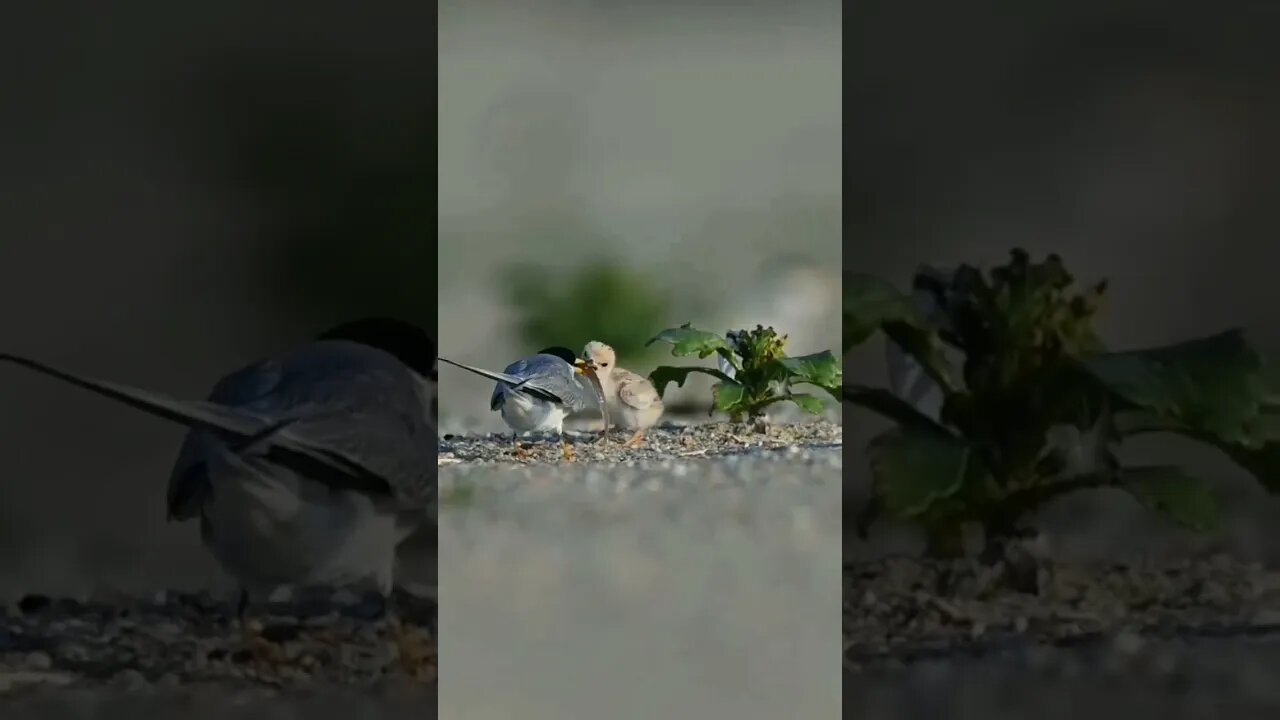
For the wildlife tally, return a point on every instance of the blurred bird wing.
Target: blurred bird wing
(725, 366)
(365, 413)
(188, 480)
(291, 438)
(909, 381)
(374, 452)
(907, 377)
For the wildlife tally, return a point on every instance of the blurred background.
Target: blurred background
(609, 170)
(1139, 143)
(185, 190)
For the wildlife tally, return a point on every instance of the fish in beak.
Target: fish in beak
(588, 369)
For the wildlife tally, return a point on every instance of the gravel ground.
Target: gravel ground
(678, 579)
(669, 443)
(63, 653)
(1018, 636)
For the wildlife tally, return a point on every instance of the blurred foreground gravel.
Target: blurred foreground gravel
(1173, 679)
(1029, 635)
(692, 578)
(183, 652)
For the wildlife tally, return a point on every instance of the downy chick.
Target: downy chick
(637, 405)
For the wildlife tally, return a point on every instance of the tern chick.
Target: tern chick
(537, 393)
(638, 404)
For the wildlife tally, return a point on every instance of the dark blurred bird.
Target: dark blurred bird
(308, 468)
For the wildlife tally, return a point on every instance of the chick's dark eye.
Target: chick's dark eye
(604, 364)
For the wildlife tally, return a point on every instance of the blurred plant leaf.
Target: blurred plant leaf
(1215, 385)
(869, 303)
(912, 470)
(885, 403)
(1187, 500)
(601, 301)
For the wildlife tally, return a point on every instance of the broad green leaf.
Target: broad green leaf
(1212, 385)
(1261, 457)
(1187, 500)
(891, 406)
(809, 403)
(669, 374)
(686, 341)
(913, 470)
(821, 369)
(728, 395)
(869, 303)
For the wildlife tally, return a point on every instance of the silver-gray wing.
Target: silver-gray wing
(549, 378)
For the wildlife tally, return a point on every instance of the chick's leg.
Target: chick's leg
(636, 438)
(566, 448)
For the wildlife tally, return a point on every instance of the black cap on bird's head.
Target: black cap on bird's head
(409, 343)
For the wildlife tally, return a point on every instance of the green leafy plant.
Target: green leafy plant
(600, 301)
(1035, 407)
(758, 372)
